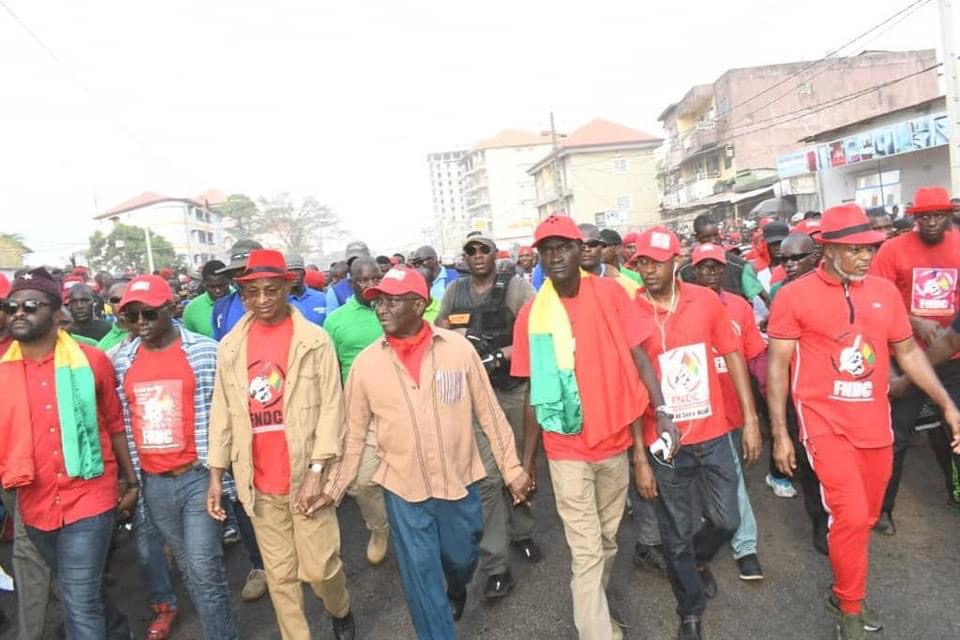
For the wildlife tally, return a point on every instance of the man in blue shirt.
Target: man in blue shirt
(427, 258)
(312, 304)
(339, 293)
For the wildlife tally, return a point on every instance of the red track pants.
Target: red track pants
(852, 483)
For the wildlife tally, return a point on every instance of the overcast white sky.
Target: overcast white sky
(343, 100)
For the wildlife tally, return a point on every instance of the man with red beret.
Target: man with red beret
(579, 343)
(838, 354)
(924, 264)
(276, 421)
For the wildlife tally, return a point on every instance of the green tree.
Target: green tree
(240, 216)
(125, 247)
(300, 226)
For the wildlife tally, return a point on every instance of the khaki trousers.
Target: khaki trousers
(369, 496)
(590, 499)
(298, 549)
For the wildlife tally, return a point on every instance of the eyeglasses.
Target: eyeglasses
(392, 301)
(148, 314)
(797, 257)
(593, 244)
(28, 306)
(473, 248)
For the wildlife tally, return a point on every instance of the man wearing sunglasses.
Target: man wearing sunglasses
(924, 266)
(353, 327)
(484, 308)
(443, 277)
(276, 421)
(165, 380)
(118, 333)
(66, 474)
(739, 276)
(591, 256)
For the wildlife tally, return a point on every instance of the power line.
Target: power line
(103, 105)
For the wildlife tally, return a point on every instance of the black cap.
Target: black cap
(776, 231)
(610, 237)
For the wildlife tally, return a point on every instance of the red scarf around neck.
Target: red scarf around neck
(411, 350)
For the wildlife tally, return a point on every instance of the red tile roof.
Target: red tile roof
(599, 132)
(513, 138)
(209, 198)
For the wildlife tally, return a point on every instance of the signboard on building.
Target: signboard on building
(610, 218)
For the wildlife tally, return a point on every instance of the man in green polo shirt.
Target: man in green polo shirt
(353, 327)
(198, 315)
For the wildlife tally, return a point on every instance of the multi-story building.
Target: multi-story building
(192, 225)
(499, 195)
(603, 173)
(451, 222)
(723, 139)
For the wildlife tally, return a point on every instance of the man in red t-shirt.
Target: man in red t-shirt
(276, 419)
(690, 330)
(838, 352)
(165, 382)
(924, 264)
(66, 474)
(590, 414)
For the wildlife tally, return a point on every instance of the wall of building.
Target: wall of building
(606, 181)
(924, 168)
(451, 220)
(195, 238)
(511, 192)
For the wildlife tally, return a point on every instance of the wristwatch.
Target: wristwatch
(316, 467)
(663, 411)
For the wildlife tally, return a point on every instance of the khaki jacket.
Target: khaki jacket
(312, 405)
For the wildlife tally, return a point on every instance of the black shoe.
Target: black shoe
(4, 623)
(749, 567)
(344, 628)
(885, 526)
(457, 603)
(689, 629)
(709, 582)
(648, 556)
(528, 549)
(498, 586)
(820, 537)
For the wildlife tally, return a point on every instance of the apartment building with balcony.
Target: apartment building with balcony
(498, 194)
(451, 223)
(723, 138)
(604, 173)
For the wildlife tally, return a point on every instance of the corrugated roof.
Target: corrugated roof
(513, 138)
(209, 198)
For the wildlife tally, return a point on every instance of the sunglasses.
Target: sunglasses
(148, 314)
(474, 248)
(796, 258)
(28, 306)
(593, 244)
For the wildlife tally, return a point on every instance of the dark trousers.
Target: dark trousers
(904, 412)
(247, 534)
(804, 474)
(710, 464)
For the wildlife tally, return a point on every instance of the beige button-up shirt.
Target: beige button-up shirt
(424, 432)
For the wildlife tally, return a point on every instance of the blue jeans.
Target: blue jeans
(711, 465)
(744, 541)
(77, 554)
(153, 563)
(435, 540)
(178, 506)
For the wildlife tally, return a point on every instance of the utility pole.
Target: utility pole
(951, 82)
(557, 177)
(150, 265)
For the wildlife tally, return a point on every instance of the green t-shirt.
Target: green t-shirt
(198, 315)
(353, 327)
(632, 275)
(749, 282)
(430, 313)
(115, 336)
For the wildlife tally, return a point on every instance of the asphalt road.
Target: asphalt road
(914, 581)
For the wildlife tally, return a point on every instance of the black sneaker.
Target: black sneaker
(344, 628)
(457, 603)
(498, 586)
(749, 567)
(689, 629)
(709, 582)
(648, 556)
(528, 549)
(885, 526)
(871, 620)
(820, 537)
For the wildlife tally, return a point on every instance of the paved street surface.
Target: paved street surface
(914, 581)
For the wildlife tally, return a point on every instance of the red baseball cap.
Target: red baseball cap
(315, 279)
(556, 226)
(631, 238)
(929, 200)
(708, 251)
(151, 291)
(265, 263)
(657, 243)
(4, 286)
(848, 224)
(398, 281)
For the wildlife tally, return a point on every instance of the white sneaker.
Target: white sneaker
(782, 488)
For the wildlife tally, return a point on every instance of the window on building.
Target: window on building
(623, 203)
(619, 165)
(878, 189)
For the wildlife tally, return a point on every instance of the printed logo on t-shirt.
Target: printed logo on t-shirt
(934, 292)
(158, 410)
(855, 361)
(266, 390)
(685, 381)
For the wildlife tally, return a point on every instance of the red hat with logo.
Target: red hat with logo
(265, 263)
(556, 226)
(657, 243)
(930, 200)
(398, 281)
(848, 224)
(151, 291)
(708, 251)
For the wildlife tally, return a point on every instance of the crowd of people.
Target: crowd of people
(243, 406)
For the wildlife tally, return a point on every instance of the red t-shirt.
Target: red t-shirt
(683, 346)
(750, 345)
(574, 447)
(840, 370)
(55, 500)
(160, 387)
(268, 351)
(925, 275)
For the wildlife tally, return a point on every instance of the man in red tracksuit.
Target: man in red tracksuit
(837, 351)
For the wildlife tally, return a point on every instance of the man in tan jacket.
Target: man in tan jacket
(275, 421)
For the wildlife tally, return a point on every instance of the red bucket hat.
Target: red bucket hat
(657, 243)
(556, 226)
(265, 263)
(929, 200)
(398, 281)
(708, 251)
(152, 291)
(848, 224)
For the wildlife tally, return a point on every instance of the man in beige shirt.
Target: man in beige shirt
(419, 388)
